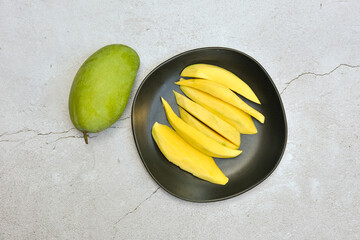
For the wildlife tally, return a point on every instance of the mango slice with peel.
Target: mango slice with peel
(224, 93)
(196, 138)
(236, 117)
(221, 76)
(183, 155)
(208, 118)
(192, 121)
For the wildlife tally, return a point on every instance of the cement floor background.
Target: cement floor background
(53, 186)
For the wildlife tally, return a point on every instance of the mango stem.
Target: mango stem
(85, 137)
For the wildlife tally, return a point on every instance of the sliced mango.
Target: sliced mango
(192, 121)
(214, 122)
(222, 76)
(180, 153)
(236, 117)
(223, 93)
(196, 138)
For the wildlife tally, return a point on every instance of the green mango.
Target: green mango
(101, 88)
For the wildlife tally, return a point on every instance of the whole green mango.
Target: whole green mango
(101, 88)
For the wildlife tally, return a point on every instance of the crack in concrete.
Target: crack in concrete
(25, 130)
(66, 138)
(39, 133)
(7, 140)
(137, 207)
(118, 127)
(318, 74)
(49, 133)
(132, 211)
(60, 138)
(122, 119)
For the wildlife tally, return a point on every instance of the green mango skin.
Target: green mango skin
(101, 88)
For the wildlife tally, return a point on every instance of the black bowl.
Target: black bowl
(261, 152)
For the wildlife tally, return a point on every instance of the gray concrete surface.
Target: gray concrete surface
(53, 186)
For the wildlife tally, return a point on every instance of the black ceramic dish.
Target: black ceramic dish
(261, 152)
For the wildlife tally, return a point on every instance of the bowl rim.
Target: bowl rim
(281, 105)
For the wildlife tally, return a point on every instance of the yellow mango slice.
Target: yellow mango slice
(236, 117)
(183, 155)
(223, 93)
(222, 76)
(208, 118)
(192, 121)
(196, 138)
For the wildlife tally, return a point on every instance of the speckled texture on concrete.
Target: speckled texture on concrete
(53, 186)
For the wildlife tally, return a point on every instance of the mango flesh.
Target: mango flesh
(101, 88)
(192, 121)
(223, 93)
(214, 122)
(236, 117)
(197, 139)
(221, 76)
(180, 153)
